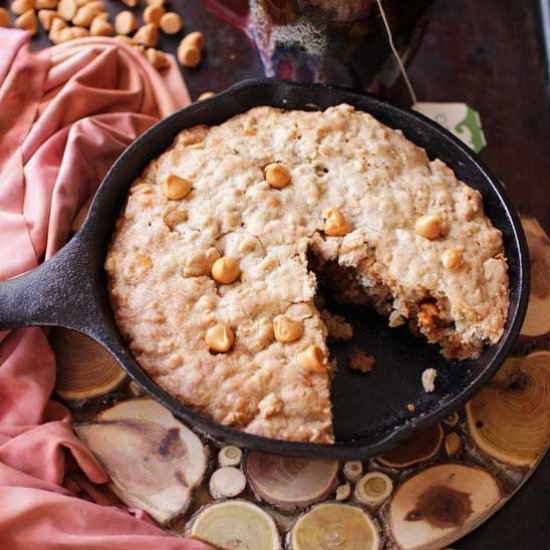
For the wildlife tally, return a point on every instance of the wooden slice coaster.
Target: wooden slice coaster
(84, 369)
(334, 526)
(235, 524)
(290, 483)
(433, 508)
(153, 460)
(509, 419)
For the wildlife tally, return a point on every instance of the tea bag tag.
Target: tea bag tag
(460, 119)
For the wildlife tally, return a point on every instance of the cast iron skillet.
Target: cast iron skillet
(370, 411)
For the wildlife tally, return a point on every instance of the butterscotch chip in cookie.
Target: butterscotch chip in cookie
(452, 258)
(277, 175)
(220, 338)
(175, 187)
(313, 359)
(226, 270)
(429, 226)
(335, 223)
(287, 330)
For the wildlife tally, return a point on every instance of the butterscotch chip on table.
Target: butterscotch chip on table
(205, 95)
(46, 17)
(125, 22)
(19, 7)
(148, 35)
(153, 13)
(71, 33)
(45, 4)
(67, 9)
(125, 39)
(189, 51)
(4, 18)
(157, 59)
(28, 22)
(339, 159)
(189, 56)
(170, 23)
(100, 27)
(194, 38)
(84, 16)
(56, 26)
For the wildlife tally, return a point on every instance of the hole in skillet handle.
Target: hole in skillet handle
(370, 415)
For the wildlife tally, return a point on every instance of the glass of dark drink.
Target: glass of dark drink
(341, 42)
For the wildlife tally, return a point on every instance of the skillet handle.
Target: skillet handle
(59, 292)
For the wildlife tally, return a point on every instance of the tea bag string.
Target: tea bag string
(395, 53)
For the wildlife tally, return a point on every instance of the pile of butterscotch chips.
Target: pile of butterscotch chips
(65, 20)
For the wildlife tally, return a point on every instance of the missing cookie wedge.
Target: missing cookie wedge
(363, 212)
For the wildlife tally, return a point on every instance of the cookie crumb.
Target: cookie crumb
(339, 330)
(428, 380)
(360, 361)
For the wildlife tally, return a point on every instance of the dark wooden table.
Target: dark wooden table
(491, 55)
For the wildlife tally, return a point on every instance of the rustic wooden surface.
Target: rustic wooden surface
(491, 55)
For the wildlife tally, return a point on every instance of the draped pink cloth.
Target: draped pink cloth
(65, 115)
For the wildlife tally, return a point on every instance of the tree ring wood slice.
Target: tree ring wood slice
(84, 369)
(290, 483)
(435, 507)
(235, 525)
(153, 461)
(509, 419)
(537, 320)
(334, 526)
(418, 448)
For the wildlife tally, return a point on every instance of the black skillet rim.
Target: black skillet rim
(350, 448)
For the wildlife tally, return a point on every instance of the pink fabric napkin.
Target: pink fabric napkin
(65, 115)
